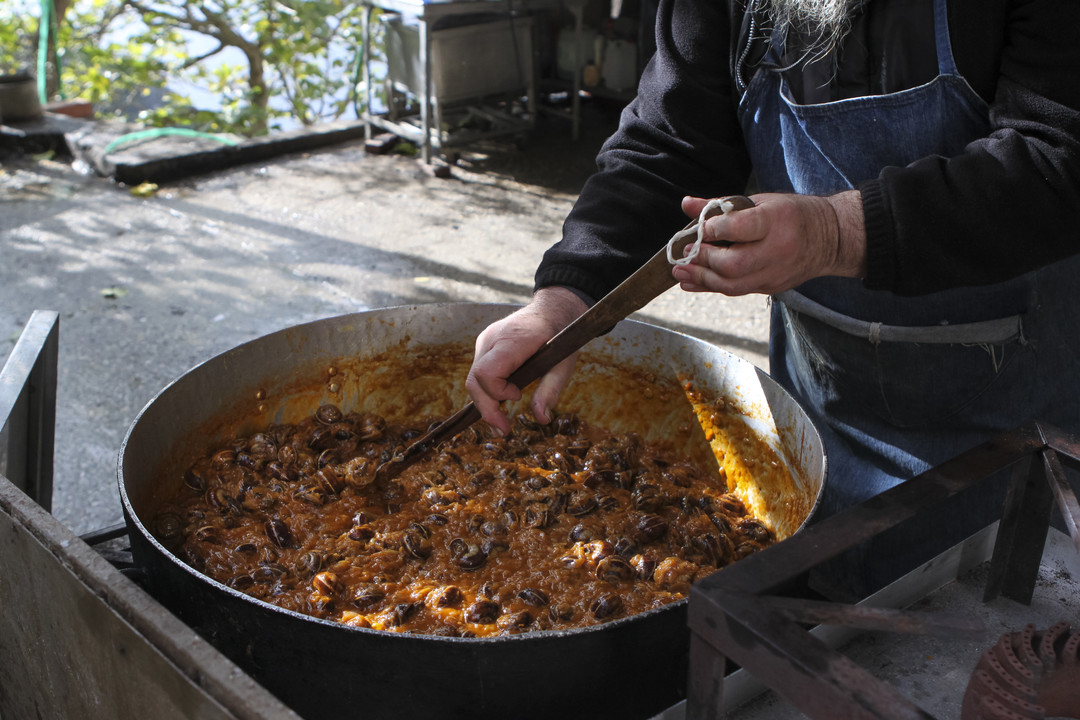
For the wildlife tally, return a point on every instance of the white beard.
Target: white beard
(824, 21)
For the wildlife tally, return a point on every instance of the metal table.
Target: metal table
(427, 14)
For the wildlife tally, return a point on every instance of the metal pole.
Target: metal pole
(366, 54)
(578, 10)
(425, 101)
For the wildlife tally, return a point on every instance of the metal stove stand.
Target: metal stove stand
(78, 638)
(746, 616)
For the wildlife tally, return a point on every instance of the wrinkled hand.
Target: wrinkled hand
(780, 243)
(505, 345)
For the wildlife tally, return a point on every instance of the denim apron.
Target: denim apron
(897, 385)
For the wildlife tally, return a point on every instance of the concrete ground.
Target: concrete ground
(148, 287)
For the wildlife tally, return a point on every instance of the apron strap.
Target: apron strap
(946, 62)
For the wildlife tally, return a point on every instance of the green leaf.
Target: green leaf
(112, 50)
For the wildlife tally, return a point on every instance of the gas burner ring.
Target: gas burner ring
(1027, 674)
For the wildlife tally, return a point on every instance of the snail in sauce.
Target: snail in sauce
(554, 526)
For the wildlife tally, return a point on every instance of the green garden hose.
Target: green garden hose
(143, 135)
(45, 26)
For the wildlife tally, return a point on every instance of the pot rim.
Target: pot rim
(133, 518)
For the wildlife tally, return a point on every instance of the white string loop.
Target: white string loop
(723, 205)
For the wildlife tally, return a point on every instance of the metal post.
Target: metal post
(425, 101)
(28, 408)
(1025, 521)
(578, 10)
(705, 682)
(366, 54)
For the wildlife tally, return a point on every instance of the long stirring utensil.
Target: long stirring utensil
(632, 294)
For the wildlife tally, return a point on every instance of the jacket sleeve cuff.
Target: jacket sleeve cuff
(577, 282)
(880, 237)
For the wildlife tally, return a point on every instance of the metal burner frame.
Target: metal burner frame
(745, 615)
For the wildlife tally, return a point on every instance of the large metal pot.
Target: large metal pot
(411, 362)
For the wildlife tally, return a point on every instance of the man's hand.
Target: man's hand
(505, 345)
(780, 243)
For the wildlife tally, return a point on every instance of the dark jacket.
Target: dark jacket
(1009, 204)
